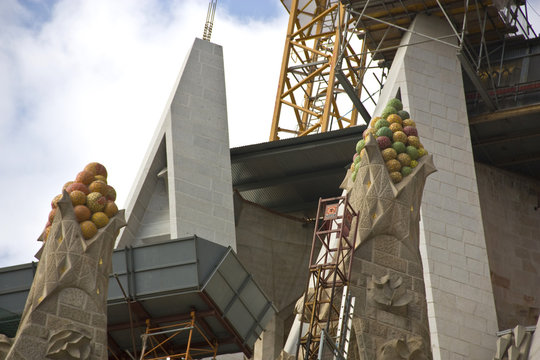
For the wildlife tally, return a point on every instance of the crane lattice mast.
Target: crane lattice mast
(324, 56)
(209, 24)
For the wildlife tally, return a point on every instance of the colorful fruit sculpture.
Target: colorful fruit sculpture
(397, 137)
(92, 199)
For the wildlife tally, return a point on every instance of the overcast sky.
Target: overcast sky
(87, 80)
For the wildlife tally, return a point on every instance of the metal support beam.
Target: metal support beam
(506, 138)
(505, 114)
(349, 89)
(475, 80)
(157, 320)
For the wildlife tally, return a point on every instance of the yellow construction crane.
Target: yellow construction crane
(324, 57)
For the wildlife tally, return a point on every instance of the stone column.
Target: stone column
(65, 316)
(390, 317)
(461, 309)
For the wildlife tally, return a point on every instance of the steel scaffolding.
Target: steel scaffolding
(156, 341)
(332, 46)
(330, 272)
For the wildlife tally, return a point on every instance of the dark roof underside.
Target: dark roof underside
(291, 175)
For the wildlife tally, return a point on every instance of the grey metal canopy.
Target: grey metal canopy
(164, 283)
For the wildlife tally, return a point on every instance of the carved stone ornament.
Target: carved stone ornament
(5, 345)
(514, 345)
(388, 292)
(69, 344)
(412, 348)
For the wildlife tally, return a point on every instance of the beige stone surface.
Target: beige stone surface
(390, 317)
(275, 249)
(65, 316)
(511, 226)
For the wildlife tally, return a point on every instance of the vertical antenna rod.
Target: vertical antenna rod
(209, 20)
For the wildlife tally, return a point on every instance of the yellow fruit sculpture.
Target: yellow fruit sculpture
(92, 199)
(401, 146)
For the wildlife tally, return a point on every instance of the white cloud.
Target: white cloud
(90, 85)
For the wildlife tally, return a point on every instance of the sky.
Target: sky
(87, 80)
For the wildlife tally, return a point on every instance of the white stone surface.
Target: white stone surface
(461, 308)
(184, 187)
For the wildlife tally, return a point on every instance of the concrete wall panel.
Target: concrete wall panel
(511, 226)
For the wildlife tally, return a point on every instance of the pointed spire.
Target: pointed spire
(184, 187)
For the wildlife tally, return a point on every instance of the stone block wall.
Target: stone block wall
(275, 249)
(511, 225)
(199, 165)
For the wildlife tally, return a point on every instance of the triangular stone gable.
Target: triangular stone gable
(184, 186)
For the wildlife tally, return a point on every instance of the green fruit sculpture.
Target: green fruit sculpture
(395, 103)
(406, 170)
(101, 177)
(412, 152)
(373, 121)
(381, 123)
(385, 131)
(399, 147)
(403, 114)
(397, 139)
(360, 145)
(389, 110)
